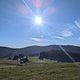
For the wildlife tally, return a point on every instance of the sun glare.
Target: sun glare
(38, 20)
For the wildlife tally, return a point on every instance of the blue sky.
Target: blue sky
(60, 22)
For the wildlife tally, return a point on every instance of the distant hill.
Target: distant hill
(6, 52)
(36, 50)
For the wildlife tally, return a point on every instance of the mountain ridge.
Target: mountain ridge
(36, 50)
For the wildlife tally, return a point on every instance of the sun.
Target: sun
(38, 20)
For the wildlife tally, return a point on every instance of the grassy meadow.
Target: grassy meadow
(36, 70)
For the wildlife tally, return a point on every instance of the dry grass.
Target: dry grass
(8, 62)
(35, 71)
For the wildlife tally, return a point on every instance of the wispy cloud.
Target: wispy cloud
(40, 40)
(66, 34)
(36, 39)
(59, 37)
(77, 23)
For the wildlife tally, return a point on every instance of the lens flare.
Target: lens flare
(23, 10)
(37, 3)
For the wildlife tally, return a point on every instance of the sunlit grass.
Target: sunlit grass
(42, 71)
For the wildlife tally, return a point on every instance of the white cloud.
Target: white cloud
(77, 23)
(40, 40)
(66, 34)
(36, 39)
(59, 37)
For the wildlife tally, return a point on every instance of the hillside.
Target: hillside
(36, 50)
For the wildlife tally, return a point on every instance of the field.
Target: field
(39, 70)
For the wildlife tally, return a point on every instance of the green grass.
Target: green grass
(43, 71)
